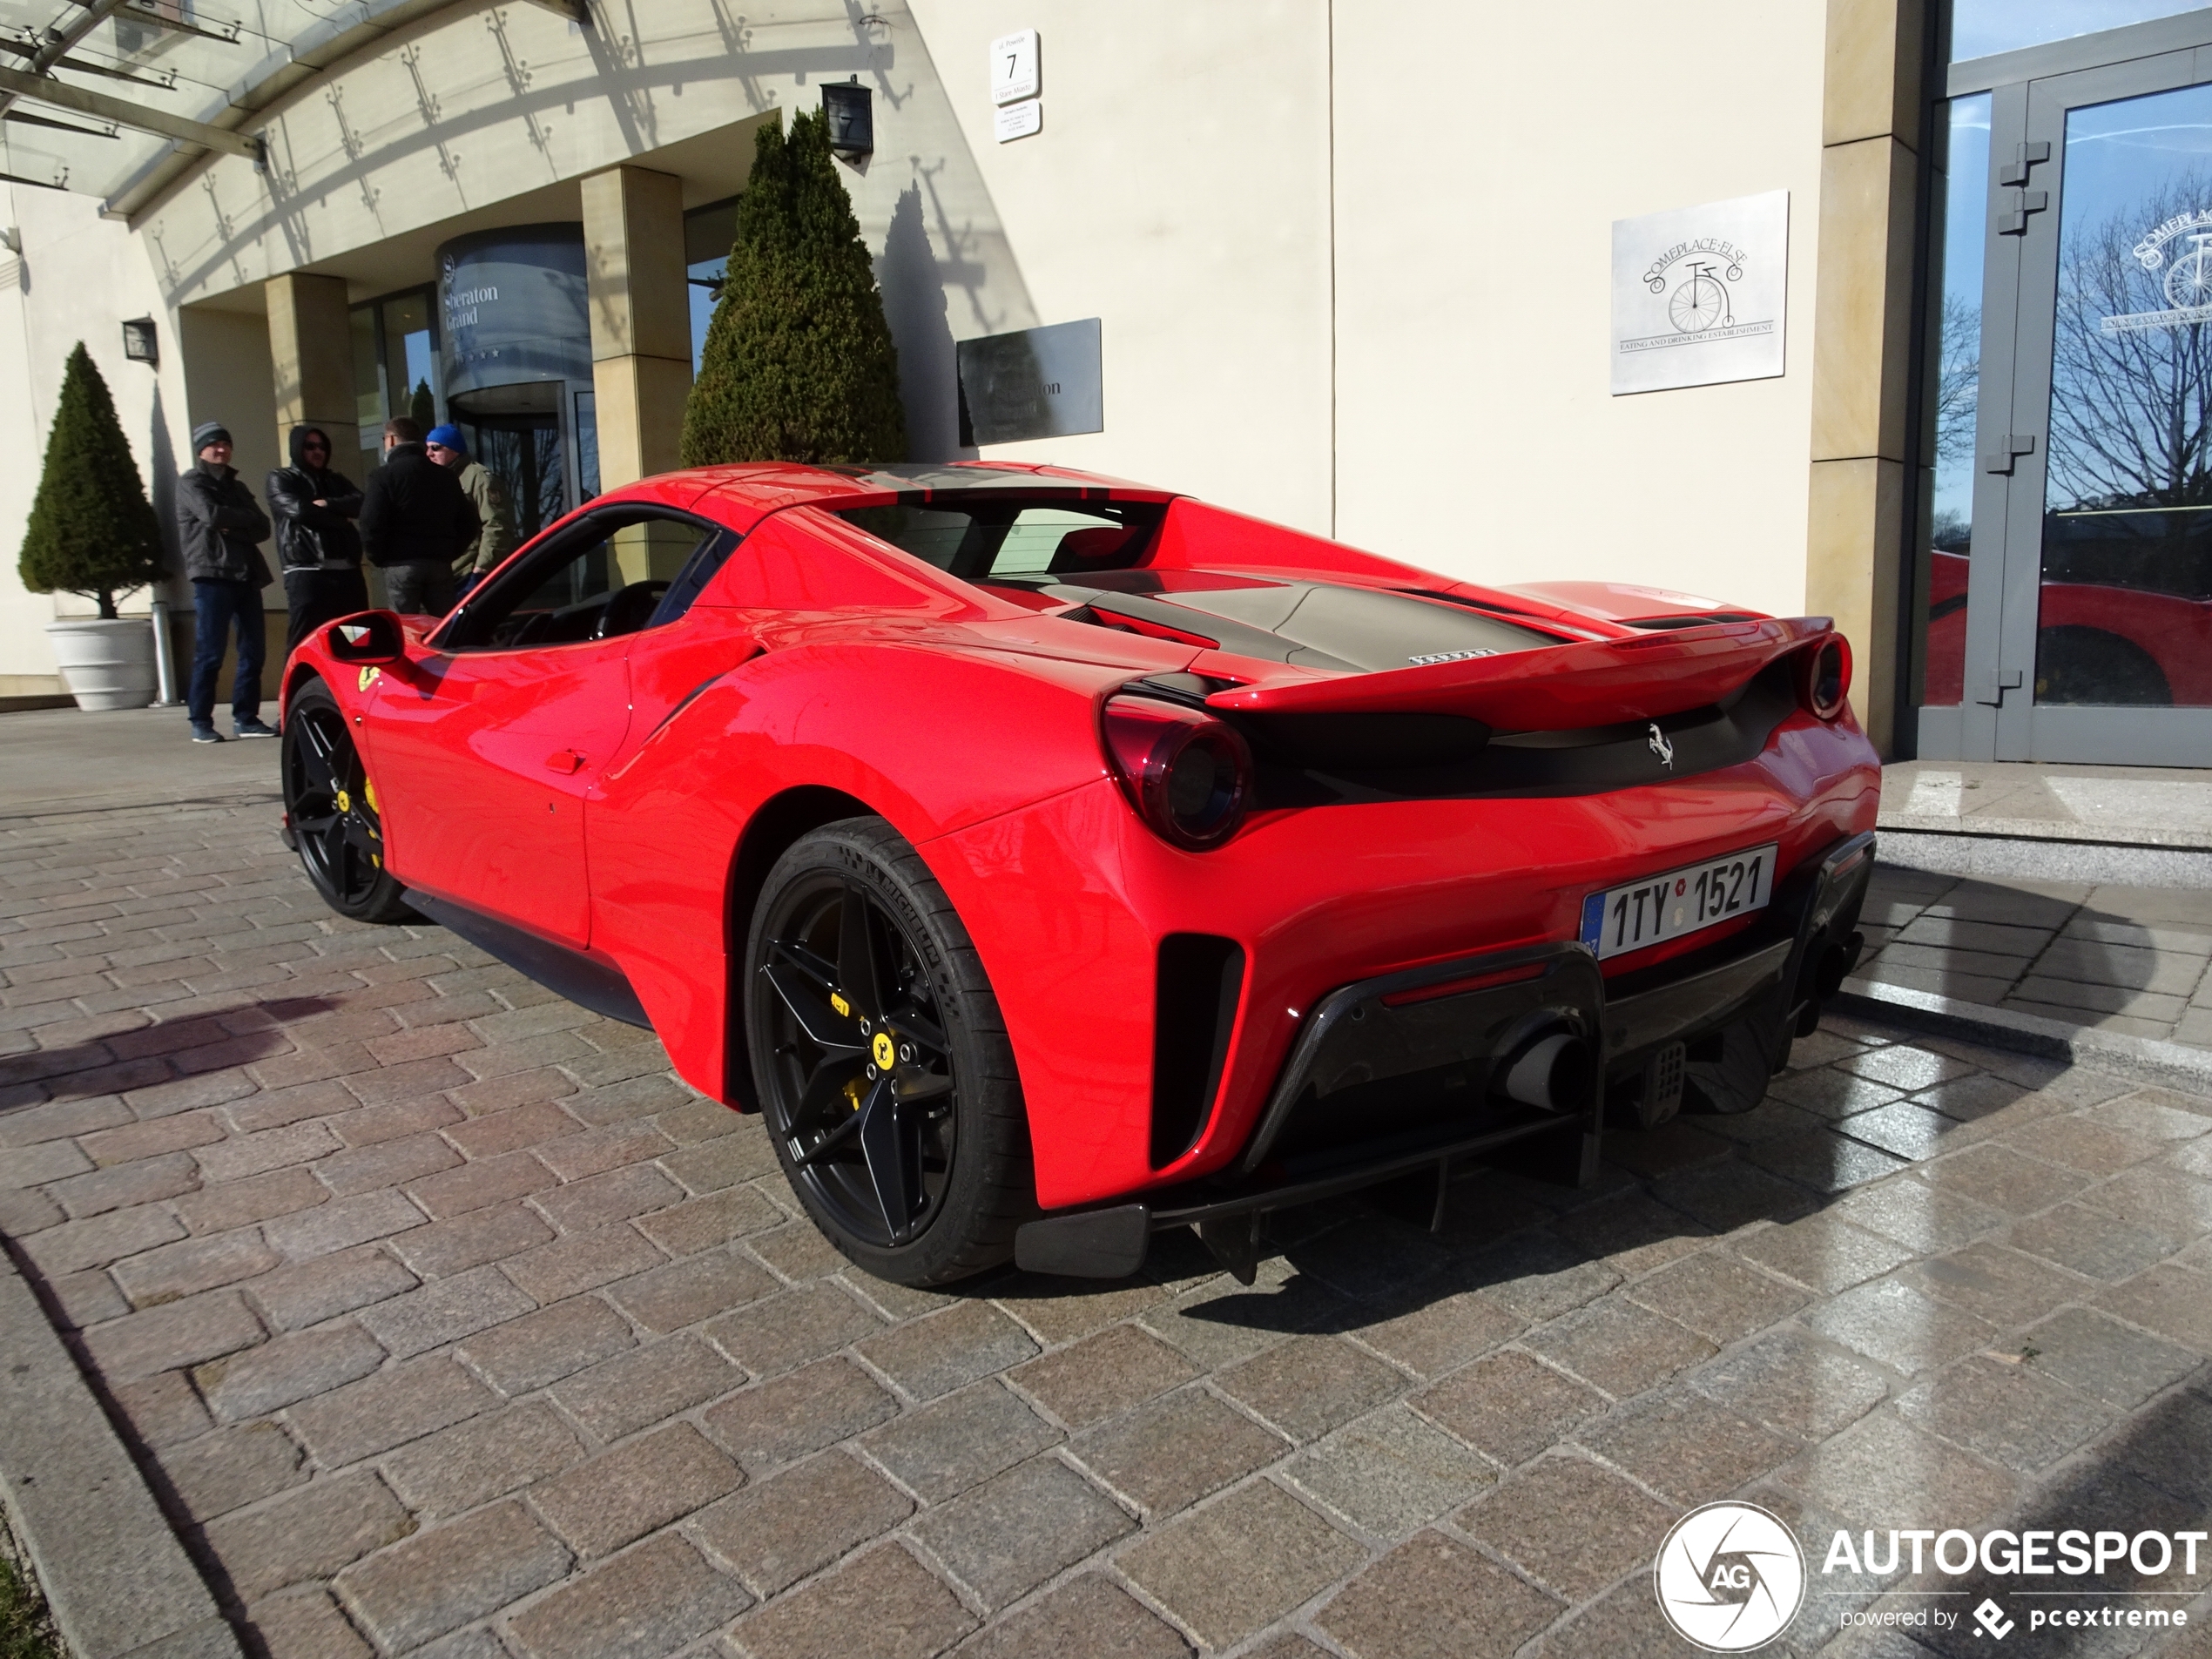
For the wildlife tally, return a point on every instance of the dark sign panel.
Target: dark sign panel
(514, 308)
(1035, 383)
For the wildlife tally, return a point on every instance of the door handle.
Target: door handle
(1991, 691)
(2014, 221)
(2010, 447)
(564, 760)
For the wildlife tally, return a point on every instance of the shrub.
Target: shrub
(91, 530)
(799, 363)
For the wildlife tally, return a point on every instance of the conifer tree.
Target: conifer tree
(92, 529)
(799, 363)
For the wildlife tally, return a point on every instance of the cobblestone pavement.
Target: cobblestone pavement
(2126, 958)
(446, 1321)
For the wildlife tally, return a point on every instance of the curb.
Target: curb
(117, 1581)
(2151, 1059)
(2119, 864)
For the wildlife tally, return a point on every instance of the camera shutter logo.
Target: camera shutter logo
(1729, 1577)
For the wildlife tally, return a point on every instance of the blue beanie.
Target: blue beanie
(446, 437)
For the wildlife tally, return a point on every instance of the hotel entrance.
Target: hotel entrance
(2065, 604)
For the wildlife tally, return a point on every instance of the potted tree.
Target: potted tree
(799, 363)
(92, 532)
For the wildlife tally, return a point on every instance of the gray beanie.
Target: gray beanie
(209, 432)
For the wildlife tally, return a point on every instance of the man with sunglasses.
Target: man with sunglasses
(318, 548)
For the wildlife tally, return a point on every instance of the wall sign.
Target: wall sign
(1017, 120)
(1034, 383)
(1699, 294)
(1014, 66)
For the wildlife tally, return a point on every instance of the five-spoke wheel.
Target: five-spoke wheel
(330, 806)
(883, 1072)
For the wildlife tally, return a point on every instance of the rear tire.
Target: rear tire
(917, 1169)
(330, 808)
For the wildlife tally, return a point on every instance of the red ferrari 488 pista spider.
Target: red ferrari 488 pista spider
(1052, 860)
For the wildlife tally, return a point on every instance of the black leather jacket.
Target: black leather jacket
(414, 508)
(218, 523)
(309, 537)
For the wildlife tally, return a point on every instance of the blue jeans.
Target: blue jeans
(219, 606)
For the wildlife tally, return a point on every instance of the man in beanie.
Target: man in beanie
(416, 520)
(445, 445)
(318, 548)
(221, 526)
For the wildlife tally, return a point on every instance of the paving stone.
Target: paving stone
(1618, 1346)
(1310, 1385)
(704, 1223)
(388, 1409)
(1682, 1144)
(1569, 1524)
(2154, 1196)
(341, 1225)
(2009, 1412)
(1689, 1448)
(885, 1604)
(1087, 1616)
(625, 1141)
(630, 1392)
(23, 1213)
(445, 1311)
(486, 1181)
(147, 1181)
(1389, 1472)
(289, 1369)
(2003, 1179)
(545, 1347)
(783, 1530)
(273, 1149)
(952, 1444)
(1166, 1456)
(726, 1161)
(368, 1125)
(1794, 1383)
(776, 1421)
(935, 1355)
(442, 1579)
(621, 1495)
(1724, 1196)
(191, 1265)
(215, 1473)
(1890, 1322)
(2098, 1355)
(99, 1240)
(294, 1624)
(615, 1196)
(1235, 1566)
(512, 1130)
(173, 1335)
(85, 1298)
(581, 1262)
(312, 1291)
(771, 1336)
(1103, 1375)
(1509, 1406)
(471, 1240)
(1920, 1217)
(485, 1457)
(2172, 1302)
(1627, 1619)
(2091, 1242)
(1435, 1596)
(1997, 1284)
(131, 1142)
(650, 1601)
(1437, 1337)
(365, 1169)
(1631, 1232)
(1904, 1128)
(1536, 1277)
(311, 1532)
(162, 1410)
(1880, 1468)
(796, 1253)
(1717, 1296)
(682, 1293)
(240, 1204)
(1004, 1538)
(1834, 1094)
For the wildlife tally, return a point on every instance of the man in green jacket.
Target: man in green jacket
(447, 448)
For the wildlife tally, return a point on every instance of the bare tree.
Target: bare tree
(1958, 378)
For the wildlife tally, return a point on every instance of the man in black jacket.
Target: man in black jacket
(318, 548)
(415, 519)
(220, 525)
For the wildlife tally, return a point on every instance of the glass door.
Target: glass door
(2087, 631)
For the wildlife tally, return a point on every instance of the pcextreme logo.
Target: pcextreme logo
(1729, 1577)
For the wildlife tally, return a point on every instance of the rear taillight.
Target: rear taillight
(1188, 775)
(1824, 677)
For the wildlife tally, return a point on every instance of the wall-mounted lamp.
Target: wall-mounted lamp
(140, 343)
(849, 109)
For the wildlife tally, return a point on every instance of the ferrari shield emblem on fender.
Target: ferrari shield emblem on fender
(368, 677)
(1660, 746)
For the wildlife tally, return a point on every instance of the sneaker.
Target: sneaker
(206, 734)
(251, 729)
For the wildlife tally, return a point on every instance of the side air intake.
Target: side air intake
(1194, 1009)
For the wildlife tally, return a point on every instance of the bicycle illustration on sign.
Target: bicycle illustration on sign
(1699, 302)
(1699, 279)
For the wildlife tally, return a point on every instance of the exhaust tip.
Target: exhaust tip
(1553, 1073)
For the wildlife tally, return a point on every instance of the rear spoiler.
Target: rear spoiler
(1600, 682)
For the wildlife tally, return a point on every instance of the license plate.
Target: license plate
(1661, 908)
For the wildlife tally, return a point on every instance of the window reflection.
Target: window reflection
(1981, 27)
(1954, 359)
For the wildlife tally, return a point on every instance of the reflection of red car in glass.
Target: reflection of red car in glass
(1054, 861)
(2095, 642)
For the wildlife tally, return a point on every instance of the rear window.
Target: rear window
(978, 539)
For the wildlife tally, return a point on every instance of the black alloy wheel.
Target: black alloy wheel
(330, 805)
(883, 1071)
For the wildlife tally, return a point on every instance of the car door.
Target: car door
(488, 753)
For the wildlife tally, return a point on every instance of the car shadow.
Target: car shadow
(147, 1055)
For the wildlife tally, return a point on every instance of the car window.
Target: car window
(983, 537)
(613, 573)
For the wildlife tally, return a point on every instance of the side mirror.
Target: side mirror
(374, 637)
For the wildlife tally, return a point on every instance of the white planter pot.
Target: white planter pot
(105, 665)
